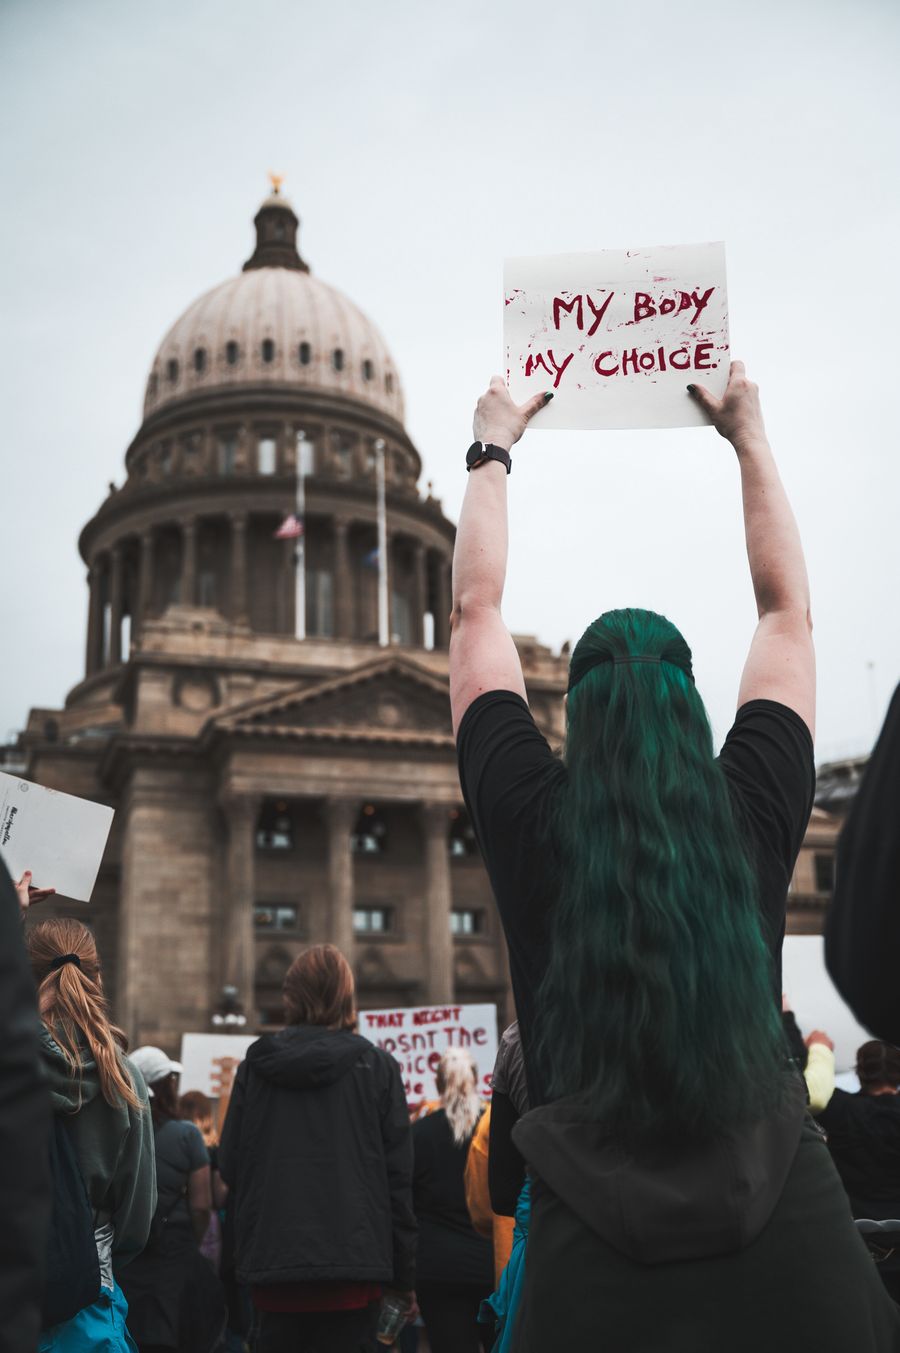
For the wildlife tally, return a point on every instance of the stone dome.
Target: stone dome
(274, 324)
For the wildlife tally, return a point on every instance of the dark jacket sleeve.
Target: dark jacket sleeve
(506, 1165)
(24, 1139)
(134, 1186)
(862, 934)
(230, 1141)
(398, 1156)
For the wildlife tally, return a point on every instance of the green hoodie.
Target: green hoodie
(114, 1146)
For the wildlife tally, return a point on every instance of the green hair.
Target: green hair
(658, 1006)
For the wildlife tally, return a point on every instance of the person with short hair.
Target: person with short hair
(317, 1154)
(864, 1133)
(681, 1199)
(99, 1096)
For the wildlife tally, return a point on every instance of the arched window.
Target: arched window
(152, 385)
(368, 370)
(305, 354)
(337, 359)
(231, 352)
(268, 350)
(389, 382)
(199, 360)
(266, 455)
(172, 370)
(226, 453)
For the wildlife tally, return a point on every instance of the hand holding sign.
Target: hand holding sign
(28, 896)
(498, 420)
(737, 416)
(618, 335)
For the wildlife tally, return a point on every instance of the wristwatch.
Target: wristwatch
(479, 452)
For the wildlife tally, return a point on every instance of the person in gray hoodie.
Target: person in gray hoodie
(102, 1100)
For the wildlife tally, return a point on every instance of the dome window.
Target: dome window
(389, 382)
(268, 350)
(199, 360)
(368, 370)
(231, 352)
(305, 354)
(337, 359)
(152, 385)
(266, 451)
(172, 370)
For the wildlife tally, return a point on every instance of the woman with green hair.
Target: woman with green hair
(683, 1200)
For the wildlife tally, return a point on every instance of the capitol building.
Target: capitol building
(271, 726)
(274, 790)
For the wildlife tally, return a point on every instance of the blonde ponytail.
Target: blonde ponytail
(73, 1007)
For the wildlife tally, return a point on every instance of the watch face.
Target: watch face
(475, 453)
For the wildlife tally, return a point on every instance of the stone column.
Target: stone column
(343, 582)
(340, 817)
(145, 581)
(92, 656)
(420, 594)
(238, 951)
(115, 606)
(438, 899)
(442, 602)
(239, 567)
(189, 561)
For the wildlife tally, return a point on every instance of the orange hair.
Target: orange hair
(197, 1108)
(72, 1005)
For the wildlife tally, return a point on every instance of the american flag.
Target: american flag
(290, 529)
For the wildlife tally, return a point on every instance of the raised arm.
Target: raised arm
(781, 663)
(483, 656)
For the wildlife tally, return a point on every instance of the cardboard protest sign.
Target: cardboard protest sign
(210, 1062)
(59, 837)
(418, 1037)
(617, 335)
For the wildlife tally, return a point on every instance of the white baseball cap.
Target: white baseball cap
(154, 1065)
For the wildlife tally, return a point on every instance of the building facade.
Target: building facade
(270, 790)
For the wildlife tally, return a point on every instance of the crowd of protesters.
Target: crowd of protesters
(665, 1163)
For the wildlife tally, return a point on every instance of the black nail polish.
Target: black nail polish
(548, 396)
(691, 389)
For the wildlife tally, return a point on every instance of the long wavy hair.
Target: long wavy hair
(457, 1084)
(72, 1005)
(658, 1006)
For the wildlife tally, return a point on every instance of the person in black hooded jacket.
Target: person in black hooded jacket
(316, 1147)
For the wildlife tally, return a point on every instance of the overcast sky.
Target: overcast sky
(421, 144)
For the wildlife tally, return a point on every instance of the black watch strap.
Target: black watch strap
(479, 452)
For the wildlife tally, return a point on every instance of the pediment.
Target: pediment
(389, 698)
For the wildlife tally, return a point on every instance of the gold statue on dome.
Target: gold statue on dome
(276, 181)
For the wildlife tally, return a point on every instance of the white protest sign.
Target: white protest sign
(59, 837)
(816, 1001)
(418, 1036)
(210, 1061)
(618, 334)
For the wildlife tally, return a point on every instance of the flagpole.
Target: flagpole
(384, 636)
(300, 546)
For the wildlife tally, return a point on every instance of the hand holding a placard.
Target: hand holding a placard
(498, 420)
(737, 416)
(29, 896)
